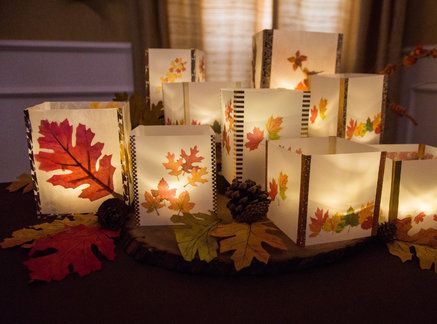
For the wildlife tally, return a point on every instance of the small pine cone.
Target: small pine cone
(112, 214)
(386, 232)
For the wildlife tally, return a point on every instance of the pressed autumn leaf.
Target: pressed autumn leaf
(313, 116)
(351, 218)
(323, 107)
(282, 181)
(196, 239)
(190, 159)
(360, 130)
(435, 218)
(254, 138)
(39, 231)
(369, 125)
(273, 189)
(195, 122)
(182, 204)
(427, 257)
(226, 140)
(318, 221)
(350, 130)
(196, 176)
(297, 60)
(400, 249)
(333, 224)
(23, 181)
(172, 165)
(366, 216)
(423, 237)
(228, 115)
(246, 241)
(273, 127)
(303, 85)
(164, 191)
(419, 217)
(153, 202)
(81, 159)
(73, 249)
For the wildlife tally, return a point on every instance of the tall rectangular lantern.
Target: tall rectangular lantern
(285, 58)
(409, 192)
(350, 106)
(252, 116)
(324, 189)
(174, 172)
(78, 153)
(167, 65)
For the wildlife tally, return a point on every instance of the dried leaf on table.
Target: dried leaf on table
(246, 241)
(23, 181)
(73, 249)
(423, 237)
(195, 239)
(400, 249)
(427, 257)
(254, 138)
(39, 231)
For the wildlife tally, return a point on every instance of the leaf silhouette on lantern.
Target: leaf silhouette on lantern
(419, 217)
(182, 204)
(314, 112)
(229, 115)
(282, 181)
(196, 176)
(172, 165)
(424, 236)
(155, 199)
(317, 222)
(226, 140)
(175, 70)
(254, 138)
(297, 60)
(81, 159)
(323, 107)
(273, 186)
(190, 159)
(366, 216)
(273, 127)
(351, 128)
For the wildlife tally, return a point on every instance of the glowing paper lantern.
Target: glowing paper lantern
(410, 186)
(252, 116)
(285, 58)
(324, 189)
(347, 105)
(195, 103)
(174, 172)
(166, 65)
(78, 153)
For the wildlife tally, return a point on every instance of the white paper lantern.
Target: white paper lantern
(285, 58)
(174, 172)
(350, 106)
(324, 189)
(79, 156)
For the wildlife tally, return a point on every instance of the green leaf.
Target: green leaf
(369, 125)
(351, 218)
(195, 238)
(216, 127)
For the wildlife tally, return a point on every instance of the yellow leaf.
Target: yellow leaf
(282, 182)
(331, 223)
(323, 106)
(35, 232)
(182, 204)
(196, 176)
(23, 181)
(273, 126)
(400, 249)
(427, 256)
(246, 242)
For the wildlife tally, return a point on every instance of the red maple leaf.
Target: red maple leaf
(435, 217)
(254, 138)
(368, 223)
(189, 160)
(313, 116)
(273, 189)
(318, 221)
(73, 249)
(419, 217)
(351, 128)
(81, 159)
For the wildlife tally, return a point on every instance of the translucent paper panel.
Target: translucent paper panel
(228, 135)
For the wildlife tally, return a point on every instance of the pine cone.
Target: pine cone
(112, 214)
(386, 232)
(248, 203)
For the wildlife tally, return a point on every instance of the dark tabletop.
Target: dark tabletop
(371, 285)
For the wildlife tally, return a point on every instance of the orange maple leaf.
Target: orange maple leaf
(254, 138)
(196, 176)
(226, 140)
(419, 217)
(313, 116)
(323, 107)
(228, 115)
(303, 85)
(283, 180)
(153, 202)
(190, 159)
(318, 221)
(435, 218)
(173, 165)
(164, 191)
(273, 126)
(366, 216)
(182, 204)
(351, 128)
(273, 189)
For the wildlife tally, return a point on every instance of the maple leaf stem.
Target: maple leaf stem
(157, 212)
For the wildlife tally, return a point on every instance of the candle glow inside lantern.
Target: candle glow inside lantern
(252, 116)
(79, 156)
(195, 103)
(410, 187)
(324, 189)
(166, 65)
(350, 106)
(174, 172)
(286, 58)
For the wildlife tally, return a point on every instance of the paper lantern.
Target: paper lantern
(410, 186)
(348, 105)
(252, 116)
(324, 189)
(285, 58)
(78, 153)
(174, 172)
(166, 65)
(195, 103)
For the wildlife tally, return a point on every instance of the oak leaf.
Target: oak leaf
(318, 222)
(35, 232)
(195, 238)
(323, 107)
(172, 165)
(273, 127)
(419, 217)
(80, 160)
(73, 249)
(423, 237)
(196, 176)
(282, 181)
(254, 138)
(313, 116)
(190, 159)
(23, 181)
(273, 189)
(246, 241)
(182, 204)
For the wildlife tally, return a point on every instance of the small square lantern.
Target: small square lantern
(409, 192)
(324, 189)
(79, 156)
(174, 172)
(350, 106)
(252, 116)
(195, 103)
(286, 58)
(167, 65)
